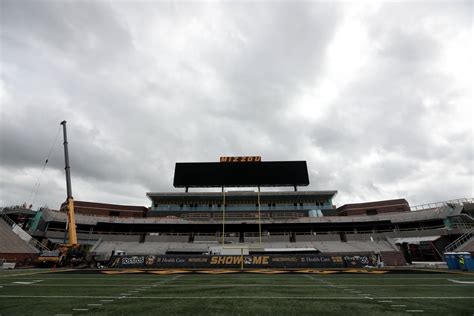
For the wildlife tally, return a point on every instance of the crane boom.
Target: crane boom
(71, 219)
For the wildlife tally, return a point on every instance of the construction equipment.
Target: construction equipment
(71, 219)
(69, 252)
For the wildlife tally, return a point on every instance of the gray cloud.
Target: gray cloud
(144, 85)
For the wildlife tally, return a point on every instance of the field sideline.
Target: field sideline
(33, 293)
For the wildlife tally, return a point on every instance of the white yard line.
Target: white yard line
(461, 282)
(326, 276)
(343, 287)
(75, 285)
(327, 283)
(295, 297)
(170, 280)
(106, 277)
(191, 277)
(110, 298)
(414, 310)
(27, 282)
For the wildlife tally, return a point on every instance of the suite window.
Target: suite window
(372, 211)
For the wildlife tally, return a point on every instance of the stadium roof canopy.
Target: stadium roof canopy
(239, 195)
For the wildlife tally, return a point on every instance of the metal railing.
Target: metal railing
(440, 204)
(32, 241)
(460, 241)
(218, 233)
(7, 219)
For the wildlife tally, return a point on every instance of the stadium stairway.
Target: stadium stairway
(467, 246)
(13, 248)
(349, 246)
(393, 258)
(463, 243)
(23, 235)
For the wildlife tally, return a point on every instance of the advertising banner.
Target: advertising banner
(247, 261)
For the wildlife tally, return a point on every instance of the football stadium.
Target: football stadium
(243, 237)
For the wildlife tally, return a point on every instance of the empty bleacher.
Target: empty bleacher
(328, 234)
(105, 248)
(167, 238)
(12, 247)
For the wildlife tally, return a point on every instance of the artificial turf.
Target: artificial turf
(236, 294)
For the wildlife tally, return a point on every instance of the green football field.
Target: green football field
(31, 292)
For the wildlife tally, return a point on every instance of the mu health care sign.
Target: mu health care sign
(250, 261)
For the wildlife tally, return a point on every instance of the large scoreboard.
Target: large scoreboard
(241, 172)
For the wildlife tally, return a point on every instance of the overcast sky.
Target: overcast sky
(377, 98)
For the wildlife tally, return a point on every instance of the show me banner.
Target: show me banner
(247, 261)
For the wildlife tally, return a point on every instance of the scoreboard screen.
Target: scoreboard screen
(240, 174)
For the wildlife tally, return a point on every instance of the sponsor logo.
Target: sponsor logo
(133, 260)
(316, 259)
(238, 260)
(198, 259)
(170, 260)
(355, 260)
(284, 259)
(362, 259)
(150, 260)
(116, 262)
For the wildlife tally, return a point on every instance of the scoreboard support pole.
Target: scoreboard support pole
(259, 217)
(223, 215)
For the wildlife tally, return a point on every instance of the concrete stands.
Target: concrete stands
(13, 248)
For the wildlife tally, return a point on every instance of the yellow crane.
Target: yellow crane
(71, 219)
(65, 253)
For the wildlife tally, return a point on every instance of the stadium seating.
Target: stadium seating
(105, 248)
(11, 242)
(13, 248)
(167, 238)
(439, 224)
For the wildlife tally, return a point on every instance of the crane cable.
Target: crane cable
(38, 183)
